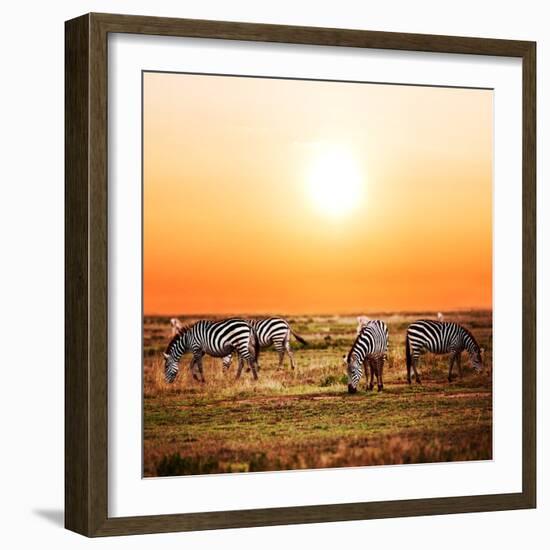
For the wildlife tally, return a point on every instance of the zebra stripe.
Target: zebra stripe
(272, 331)
(370, 349)
(440, 338)
(215, 338)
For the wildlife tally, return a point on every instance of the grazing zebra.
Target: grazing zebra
(438, 337)
(215, 338)
(370, 349)
(273, 331)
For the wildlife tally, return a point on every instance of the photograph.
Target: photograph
(317, 274)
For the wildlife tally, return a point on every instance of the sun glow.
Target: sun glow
(335, 182)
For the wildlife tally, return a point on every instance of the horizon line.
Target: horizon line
(320, 314)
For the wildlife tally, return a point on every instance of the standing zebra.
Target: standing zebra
(215, 338)
(370, 349)
(272, 331)
(439, 337)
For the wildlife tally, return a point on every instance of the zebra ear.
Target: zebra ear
(482, 350)
(176, 325)
(166, 355)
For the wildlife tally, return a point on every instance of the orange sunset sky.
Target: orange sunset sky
(288, 196)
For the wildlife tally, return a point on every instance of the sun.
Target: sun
(335, 182)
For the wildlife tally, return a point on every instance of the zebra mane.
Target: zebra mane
(180, 331)
(472, 337)
(352, 349)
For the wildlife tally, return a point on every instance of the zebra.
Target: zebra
(272, 331)
(370, 349)
(215, 338)
(440, 338)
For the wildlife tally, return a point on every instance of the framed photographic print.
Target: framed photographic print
(300, 274)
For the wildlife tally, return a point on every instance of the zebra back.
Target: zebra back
(212, 337)
(270, 329)
(440, 337)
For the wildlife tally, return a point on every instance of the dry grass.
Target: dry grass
(304, 418)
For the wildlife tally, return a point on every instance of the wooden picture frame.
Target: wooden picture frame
(86, 320)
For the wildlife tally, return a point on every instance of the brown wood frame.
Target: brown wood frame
(86, 274)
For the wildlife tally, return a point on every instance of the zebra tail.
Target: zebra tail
(408, 352)
(299, 338)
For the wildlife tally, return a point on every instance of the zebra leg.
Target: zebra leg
(280, 349)
(248, 368)
(254, 358)
(451, 363)
(192, 369)
(199, 366)
(253, 365)
(376, 372)
(250, 357)
(459, 363)
(371, 369)
(290, 354)
(241, 362)
(409, 373)
(227, 362)
(380, 371)
(281, 359)
(285, 346)
(253, 361)
(254, 350)
(240, 368)
(416, 376)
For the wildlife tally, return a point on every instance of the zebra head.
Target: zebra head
(476, 357)
(179, 344)
(354, 372)
(171, 367)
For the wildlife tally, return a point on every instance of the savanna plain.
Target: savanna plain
(304, 418)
